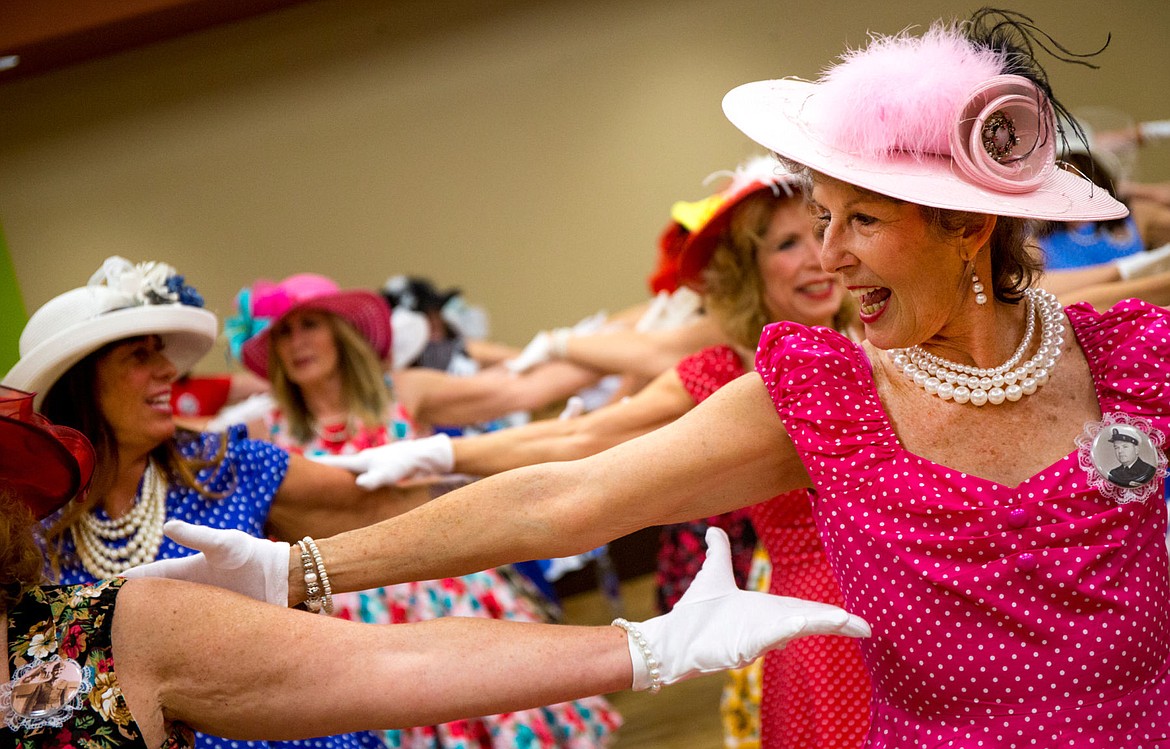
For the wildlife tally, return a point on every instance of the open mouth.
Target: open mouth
(871, 300)
(162, 401)
(819, 289)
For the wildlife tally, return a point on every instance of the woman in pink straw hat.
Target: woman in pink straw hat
(958, 459)
(323, 351)
(127, 663)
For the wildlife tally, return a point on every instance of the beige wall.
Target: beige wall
(526, 151)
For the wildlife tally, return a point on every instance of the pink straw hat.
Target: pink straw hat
(935, 120)
(365, 310)
(708, 218)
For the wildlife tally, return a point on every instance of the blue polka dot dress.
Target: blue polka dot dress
(247, 478)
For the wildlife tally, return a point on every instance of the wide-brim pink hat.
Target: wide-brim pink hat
(932, 120)
(365, 310)
(122, 300)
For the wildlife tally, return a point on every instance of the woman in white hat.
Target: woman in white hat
(101, 359)
(323, 352)
(1017, 596)
(138, 663)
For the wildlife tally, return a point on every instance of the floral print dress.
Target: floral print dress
(72, 623)
(498, 593)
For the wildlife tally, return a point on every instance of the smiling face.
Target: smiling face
(133, 392)
(796, 288)
(909, 281)
(307, 348)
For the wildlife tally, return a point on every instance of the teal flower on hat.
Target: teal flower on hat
(242, 326)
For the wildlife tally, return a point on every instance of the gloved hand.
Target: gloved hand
(386, 465)
(574, 407)
(227, 559)
(716, 626)
(548, 345)
(1143, 264)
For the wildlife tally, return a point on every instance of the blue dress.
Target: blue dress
(1078, 245)
(248, 476)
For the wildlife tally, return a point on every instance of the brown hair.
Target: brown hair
(71, 402)
(733, 292)
(21, 562)
(363, 386)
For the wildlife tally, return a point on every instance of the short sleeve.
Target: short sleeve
(1128, 349)
(708, 370)
(822, 388)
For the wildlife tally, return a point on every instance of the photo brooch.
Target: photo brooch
(1123, 457)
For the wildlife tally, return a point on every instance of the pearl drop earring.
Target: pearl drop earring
(977, 287)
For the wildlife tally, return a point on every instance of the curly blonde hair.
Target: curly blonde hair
(733, 291)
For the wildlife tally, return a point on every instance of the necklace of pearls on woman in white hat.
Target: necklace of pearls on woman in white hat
(141, 526)
(1009, 381)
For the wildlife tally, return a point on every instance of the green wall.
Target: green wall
(12, 313)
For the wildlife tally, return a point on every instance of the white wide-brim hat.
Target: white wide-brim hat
(73, 325)
(931, 120)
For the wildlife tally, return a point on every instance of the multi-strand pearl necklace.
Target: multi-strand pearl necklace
(142, 526)
(1009, 381)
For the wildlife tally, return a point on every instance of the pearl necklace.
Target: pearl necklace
(1009, 381)
(142, 526)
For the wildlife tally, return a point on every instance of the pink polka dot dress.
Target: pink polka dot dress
(1003, 617)
(815, 690)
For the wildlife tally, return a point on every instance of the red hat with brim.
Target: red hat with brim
(43, 465)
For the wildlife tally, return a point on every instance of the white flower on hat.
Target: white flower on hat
(136, 284)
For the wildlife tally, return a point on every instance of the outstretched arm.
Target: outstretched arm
(316, 500)
(730, 451)
(645, 354)
(659, 403)
(278, 674)
(434, 397)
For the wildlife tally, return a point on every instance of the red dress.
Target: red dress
(816, 691)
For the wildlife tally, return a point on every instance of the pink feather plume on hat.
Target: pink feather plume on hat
(902, 93)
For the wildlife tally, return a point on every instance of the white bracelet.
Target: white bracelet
(636, 637)
(327, 597)
(312, 590)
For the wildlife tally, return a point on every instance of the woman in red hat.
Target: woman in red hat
(753, 254)
(139, 663)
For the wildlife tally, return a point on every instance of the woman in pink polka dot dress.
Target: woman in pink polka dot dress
(986, 469)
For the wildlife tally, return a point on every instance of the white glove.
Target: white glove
(574, 407)
(228, 559)
(1143, 264)
(717, 626)
(552, 344)
(386, 465)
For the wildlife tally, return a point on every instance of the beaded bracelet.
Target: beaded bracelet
(639, 639)
(327, 598)
(312, 590)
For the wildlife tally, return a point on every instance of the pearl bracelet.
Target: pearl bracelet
(327, 597)
(639, 640)
(312, 590)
